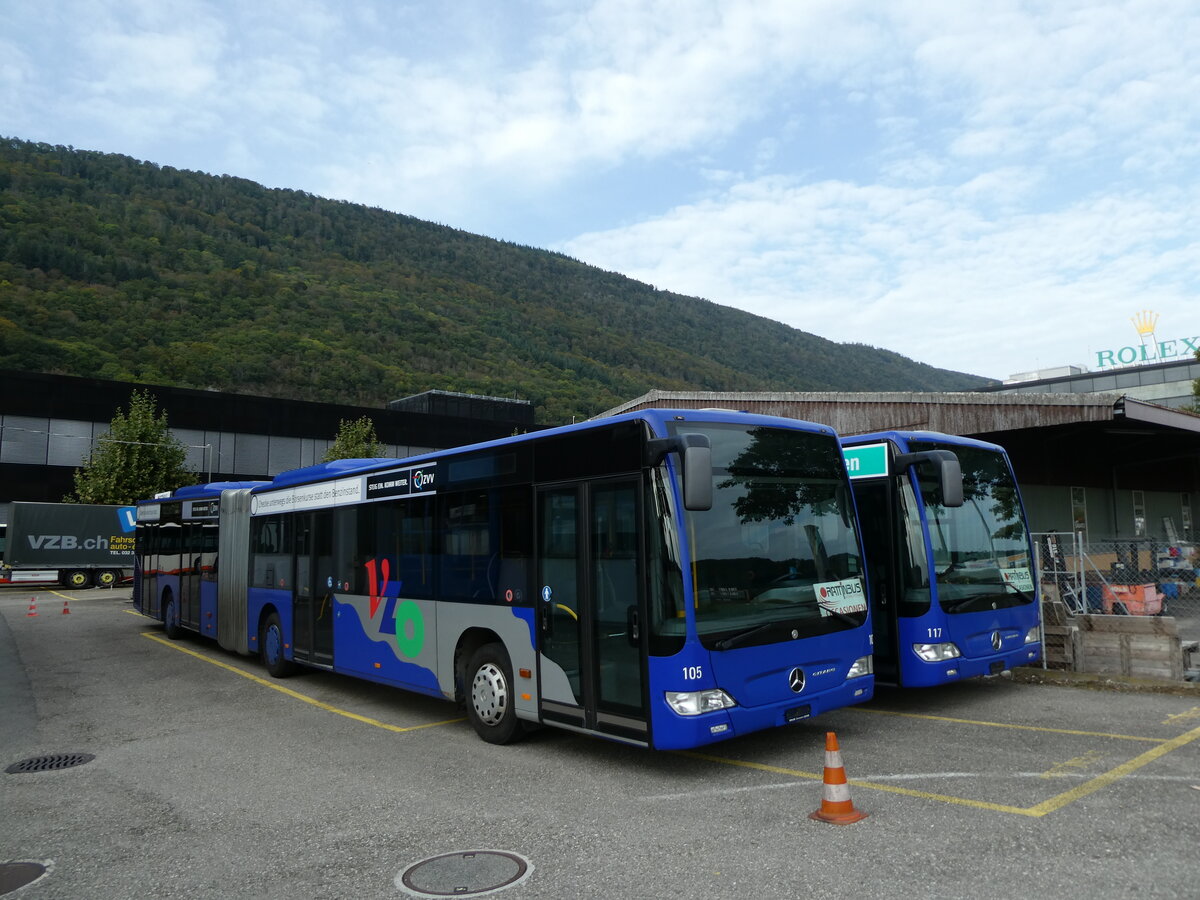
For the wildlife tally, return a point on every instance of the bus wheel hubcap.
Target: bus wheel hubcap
(489, 694)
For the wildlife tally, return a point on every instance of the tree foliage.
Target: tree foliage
(136, 458)
(120, 269)
(355, 440)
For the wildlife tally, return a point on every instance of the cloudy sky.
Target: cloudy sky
(992, 186)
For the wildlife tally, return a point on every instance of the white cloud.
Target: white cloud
(16, 74)
(868, 264)
(893, 173)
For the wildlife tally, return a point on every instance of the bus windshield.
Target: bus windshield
(777, 557)
(980, 549)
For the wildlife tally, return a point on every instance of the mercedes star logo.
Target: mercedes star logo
(996, 640)
(796, 680)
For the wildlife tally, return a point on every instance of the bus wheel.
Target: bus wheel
(490, 707)
(77, 579)
(270, 647)
(106, 578)
(171, 617)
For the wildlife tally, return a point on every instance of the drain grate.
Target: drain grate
(18, 874)
(51, 762)
(469, 873)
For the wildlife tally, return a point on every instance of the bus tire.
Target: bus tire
(490, 698)
(170, 609)
(270, 648)
(76, 578)
(107, 578)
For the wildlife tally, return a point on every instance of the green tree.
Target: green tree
(136, 458)
(355, 440)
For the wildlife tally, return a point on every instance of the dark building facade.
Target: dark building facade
(50, 423)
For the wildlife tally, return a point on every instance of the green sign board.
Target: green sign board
(867, 460)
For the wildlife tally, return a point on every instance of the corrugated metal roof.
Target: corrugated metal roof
(952, 413)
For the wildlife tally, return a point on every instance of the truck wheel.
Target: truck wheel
(76, 578)
(106, 578)
(270, 647)
(490, 706)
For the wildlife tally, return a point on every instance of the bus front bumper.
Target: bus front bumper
(675, 732)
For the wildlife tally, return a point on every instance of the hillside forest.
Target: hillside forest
(116, 268)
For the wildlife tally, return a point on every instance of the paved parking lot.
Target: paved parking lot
(212, 780)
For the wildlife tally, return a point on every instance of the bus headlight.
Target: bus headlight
(864, 665)
(695, 703)
(1033, 635)
(936, 652)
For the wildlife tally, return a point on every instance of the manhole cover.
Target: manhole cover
(49, 763)
(18, 874)
(469, 873)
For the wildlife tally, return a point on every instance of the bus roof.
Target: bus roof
(201, 491)
(658, 420)
(904, 438)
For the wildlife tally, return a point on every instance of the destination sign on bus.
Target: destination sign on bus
(866, 460)
(845, 596)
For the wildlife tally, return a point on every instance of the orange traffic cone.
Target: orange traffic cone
(836, 806)
(66, 609)
(32, 607)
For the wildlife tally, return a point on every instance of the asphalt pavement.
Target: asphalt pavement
(212, 780)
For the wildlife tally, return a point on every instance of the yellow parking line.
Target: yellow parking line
(1102, 781)
(1193, 713)
(366, 720)
(891, 789)
(1041, 809)
(1101, 734)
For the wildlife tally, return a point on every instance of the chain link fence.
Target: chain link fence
(1123, 578)
(1136, 578)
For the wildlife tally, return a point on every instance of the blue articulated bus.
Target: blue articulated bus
(663, 578)
(949, 559)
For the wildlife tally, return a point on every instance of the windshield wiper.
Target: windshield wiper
(964, 601)
(741, 637)
(845, 617)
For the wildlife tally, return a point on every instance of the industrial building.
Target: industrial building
(1165, 383)
(1107, 466)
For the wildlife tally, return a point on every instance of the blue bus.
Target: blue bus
(949, 559)
(663, 578)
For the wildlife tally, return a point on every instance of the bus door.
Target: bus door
(591, 608)
(876, 518)
(312, 610)
(191, 537)
(170, 563)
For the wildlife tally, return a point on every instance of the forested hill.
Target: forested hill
(120, 269)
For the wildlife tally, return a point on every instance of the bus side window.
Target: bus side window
(272, 557)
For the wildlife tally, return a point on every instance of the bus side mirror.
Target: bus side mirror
(695, 456)
(949, 472)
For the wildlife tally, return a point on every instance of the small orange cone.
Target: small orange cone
(836, 806)
(32, 607)
(66, 609)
